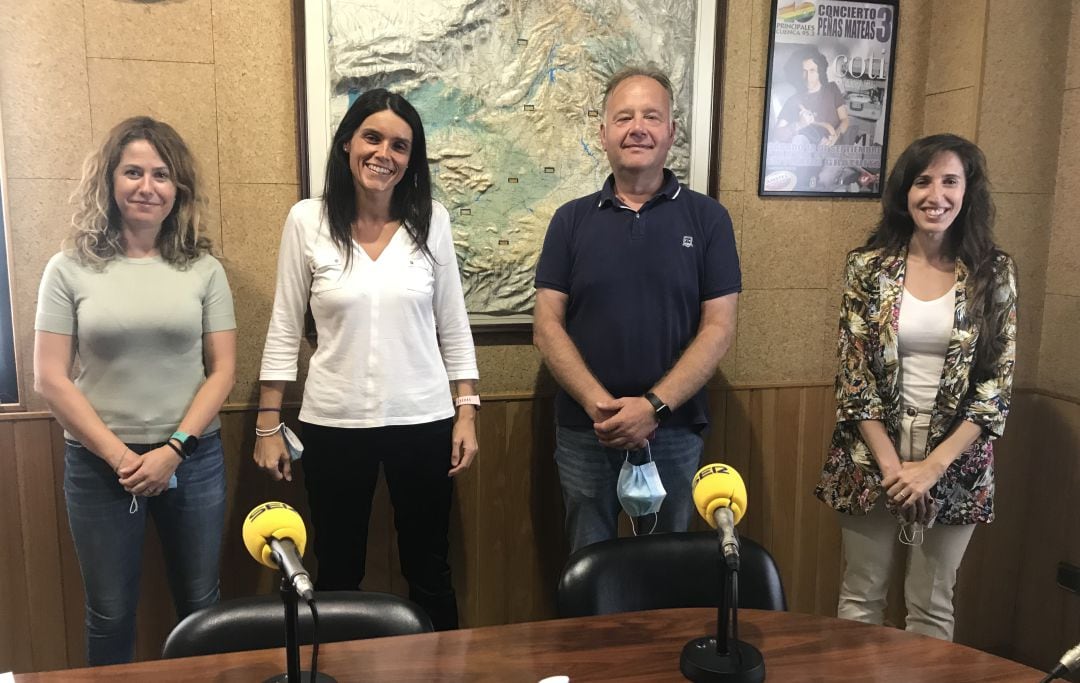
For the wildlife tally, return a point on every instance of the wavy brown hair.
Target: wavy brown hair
(970, 238)
(97, 236)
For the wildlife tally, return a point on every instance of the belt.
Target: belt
(912, 411)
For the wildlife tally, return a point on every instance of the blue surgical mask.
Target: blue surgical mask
(640, 490)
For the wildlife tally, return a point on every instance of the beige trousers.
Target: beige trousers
(870, 549)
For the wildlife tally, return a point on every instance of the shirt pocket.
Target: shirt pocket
(419, 276)
(327, 273)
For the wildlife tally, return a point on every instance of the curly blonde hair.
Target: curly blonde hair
(97, 236)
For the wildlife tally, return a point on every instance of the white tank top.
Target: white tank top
(925, 329)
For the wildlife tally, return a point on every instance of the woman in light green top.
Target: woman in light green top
(147, 310)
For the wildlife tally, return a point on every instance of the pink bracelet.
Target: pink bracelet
(467, 401)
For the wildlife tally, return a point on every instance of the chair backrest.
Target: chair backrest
(663, 571)
(258, 622)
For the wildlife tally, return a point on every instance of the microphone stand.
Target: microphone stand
(293, 674)
(720, 660)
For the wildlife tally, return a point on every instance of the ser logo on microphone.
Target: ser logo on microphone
(266, 507)
(705, 471)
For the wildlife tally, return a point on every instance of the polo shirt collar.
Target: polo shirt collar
(669, 189)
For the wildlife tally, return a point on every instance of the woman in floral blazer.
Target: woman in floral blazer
(934, 235)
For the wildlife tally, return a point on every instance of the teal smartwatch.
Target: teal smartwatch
(188, 444)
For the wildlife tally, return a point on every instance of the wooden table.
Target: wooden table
(638, 646)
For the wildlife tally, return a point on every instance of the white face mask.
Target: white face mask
(911, 533)
(639, 489)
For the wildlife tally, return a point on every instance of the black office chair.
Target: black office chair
(258, 623)
(663, 571)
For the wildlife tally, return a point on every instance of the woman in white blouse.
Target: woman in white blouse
(374, 260)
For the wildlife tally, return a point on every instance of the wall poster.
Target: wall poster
(827, 98)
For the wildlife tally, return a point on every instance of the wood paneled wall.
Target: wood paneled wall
(507, 542)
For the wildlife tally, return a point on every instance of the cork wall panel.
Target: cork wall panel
(252, 220)
(781, 335)
(43, 89)
(1026, 49)
(736, 93)
(760, 12)
(255, 91)
(850, 225)
(1022, 229)
(955, 111)
(956, 45)
(1063, 267)
(512, 368)
(785, 242)
(156, 32)
(909, 76)
(40, 218)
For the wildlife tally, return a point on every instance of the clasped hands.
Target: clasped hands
(624, 423)
(908, 488)
(147, 475)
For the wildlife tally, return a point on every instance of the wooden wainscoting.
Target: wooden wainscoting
(507, 543)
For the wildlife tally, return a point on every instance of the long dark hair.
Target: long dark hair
(793, 67)
(411, 200)
(969, 239)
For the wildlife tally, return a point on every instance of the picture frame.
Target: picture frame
(828, 96)
(10, 397)
(321, 80)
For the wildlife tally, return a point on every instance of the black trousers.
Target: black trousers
(341, 468)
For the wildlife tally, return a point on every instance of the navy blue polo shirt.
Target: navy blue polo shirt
(636, 281)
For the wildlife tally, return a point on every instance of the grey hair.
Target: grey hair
(632, 71)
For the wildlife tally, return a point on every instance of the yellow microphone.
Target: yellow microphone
(275, 535)
(720, 498)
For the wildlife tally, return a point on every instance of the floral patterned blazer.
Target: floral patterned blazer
(867, 388)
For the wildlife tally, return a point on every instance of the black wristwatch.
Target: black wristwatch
(188, 444)
(663, 412)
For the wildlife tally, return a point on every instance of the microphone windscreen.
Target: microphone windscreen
(715, 486)
(273, 520)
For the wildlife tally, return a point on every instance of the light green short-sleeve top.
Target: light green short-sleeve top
(138, 327)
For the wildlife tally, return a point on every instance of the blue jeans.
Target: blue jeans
(589, 474)
(109, 532)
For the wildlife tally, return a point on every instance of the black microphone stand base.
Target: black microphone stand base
(701, 663)
(305, 677)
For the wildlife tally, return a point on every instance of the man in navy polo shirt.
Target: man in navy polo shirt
(636, 293)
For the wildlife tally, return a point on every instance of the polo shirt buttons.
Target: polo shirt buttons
(911, 412)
